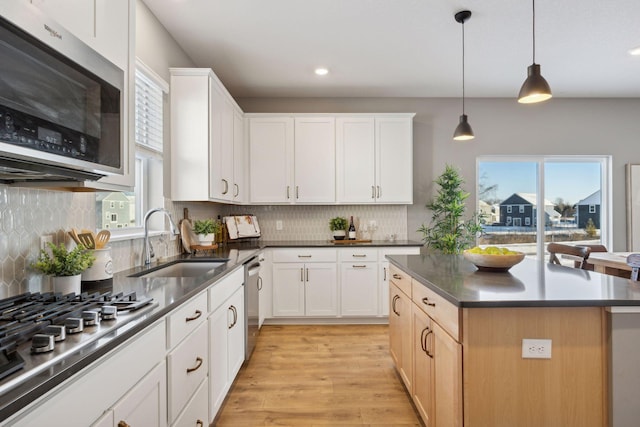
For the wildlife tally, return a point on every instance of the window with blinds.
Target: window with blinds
(148, 112)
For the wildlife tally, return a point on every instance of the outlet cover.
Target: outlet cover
(44, 240)
(536, 349)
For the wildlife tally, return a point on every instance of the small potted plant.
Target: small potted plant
(338, 226)
(64, 267)
(206, 230)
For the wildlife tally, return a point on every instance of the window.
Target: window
(126, 209)
(564, 192)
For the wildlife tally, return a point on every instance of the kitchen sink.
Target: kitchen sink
(183, 269)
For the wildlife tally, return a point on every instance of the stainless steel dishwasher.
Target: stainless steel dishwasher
(251, 305)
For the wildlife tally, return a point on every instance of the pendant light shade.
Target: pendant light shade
(535, 88)
(463, 131)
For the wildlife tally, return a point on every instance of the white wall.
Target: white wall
(502, 127)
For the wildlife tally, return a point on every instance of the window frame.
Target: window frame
(606, 187)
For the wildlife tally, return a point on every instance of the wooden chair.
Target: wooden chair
(578, 251)
(593, 248)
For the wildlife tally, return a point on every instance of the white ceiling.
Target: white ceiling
(408, 48)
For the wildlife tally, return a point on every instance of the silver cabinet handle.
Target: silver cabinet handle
(287, 192)
(259, 283)
(302, 274)
(384, 270)
(195, 368)
(358, 256)
(393, 304)
(226, 186)
(307, 274)
(359, 266)
(234, 310)
(304, 256)
(235, 194)
(296, 192)
(373, 191)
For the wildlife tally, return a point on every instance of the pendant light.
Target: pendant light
(463, 131)
(535, 88)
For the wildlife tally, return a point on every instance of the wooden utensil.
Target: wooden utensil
(87, 240)
(74, 237)
(102, 238)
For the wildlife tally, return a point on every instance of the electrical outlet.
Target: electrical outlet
(278, 225)
(44, 240)
(536, 349)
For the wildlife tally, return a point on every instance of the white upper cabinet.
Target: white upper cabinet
(394, 159)
(329, 159)
(314, 160)
(206, 132)
(375, 159)
(355, 159)
(292, 160)
(270, 159)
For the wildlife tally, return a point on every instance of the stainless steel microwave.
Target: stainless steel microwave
(61, 102)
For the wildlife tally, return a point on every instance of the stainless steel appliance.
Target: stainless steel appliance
(61, 103)
(252, 286)
(38, 330)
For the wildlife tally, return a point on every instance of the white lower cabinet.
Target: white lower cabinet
(187, 367)
(359, 282)
(301, 289)
(197, 410)
(226, 337)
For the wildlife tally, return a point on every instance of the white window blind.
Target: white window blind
(148, 112)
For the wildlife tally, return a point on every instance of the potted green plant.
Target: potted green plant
(64, 267)
(448, 231)
(206, 230)
(338, 226)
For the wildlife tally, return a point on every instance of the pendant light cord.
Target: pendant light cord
(533, 2)
(463, 67)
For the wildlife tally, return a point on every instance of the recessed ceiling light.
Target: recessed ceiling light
(321, 71)
(635, 51)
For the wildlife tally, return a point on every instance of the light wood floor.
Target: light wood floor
(315, 375)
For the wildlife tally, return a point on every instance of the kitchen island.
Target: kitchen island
(456, 336)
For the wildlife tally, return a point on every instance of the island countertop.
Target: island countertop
(531, 283)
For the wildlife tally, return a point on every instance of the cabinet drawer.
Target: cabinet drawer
(187, 367)
(186, 319)
(197, 411)
(404, 250)
(358, 255)
(221, 291)
(401, 279)
(439, 309)
(304, 255)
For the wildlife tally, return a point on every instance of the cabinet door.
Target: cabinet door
(314, 160)
(221, 144)
(321, 289)
(235, 313)
(239, 167)
(401, 334)
(271, 159)
(355, 160)
(423, 366)
(288, 289)
(394, 160)
(146, 403)
(447, 354)
(359, 288)
(197, 410)
(218, 358)
(112, 16)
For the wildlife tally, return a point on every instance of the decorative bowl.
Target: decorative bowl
(490, 262)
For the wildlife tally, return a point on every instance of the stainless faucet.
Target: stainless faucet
(147, 249)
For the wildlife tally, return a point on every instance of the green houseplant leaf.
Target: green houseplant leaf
(62, 262)
(206, 226)
(448, 231)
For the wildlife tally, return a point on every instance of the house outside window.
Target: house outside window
(521, 208)
(527, 221)
(509, 209)
(592, 208)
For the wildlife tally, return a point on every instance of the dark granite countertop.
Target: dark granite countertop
(530, 283)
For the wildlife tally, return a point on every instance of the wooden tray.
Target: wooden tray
(349, 242)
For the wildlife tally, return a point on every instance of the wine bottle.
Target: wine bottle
(352, 230)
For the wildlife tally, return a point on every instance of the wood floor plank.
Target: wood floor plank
(319, 375)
